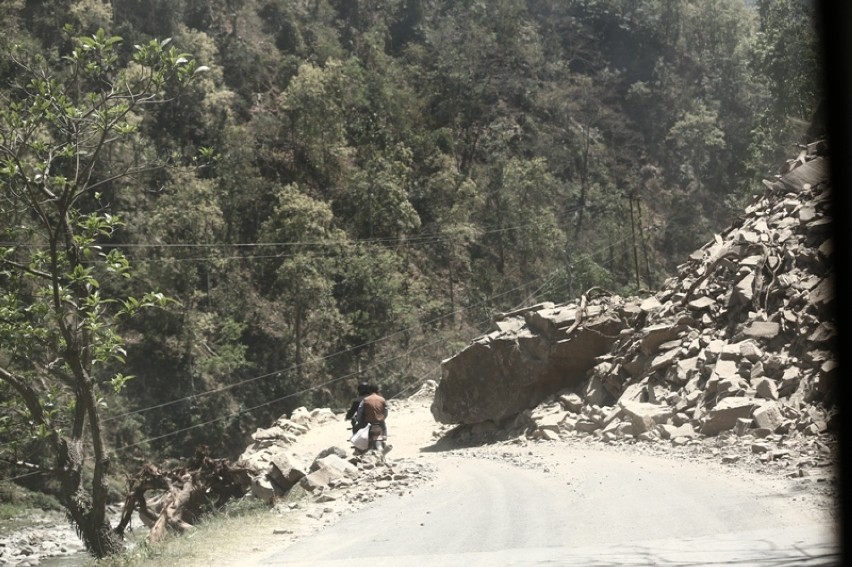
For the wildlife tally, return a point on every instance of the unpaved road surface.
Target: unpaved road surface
(555, 503)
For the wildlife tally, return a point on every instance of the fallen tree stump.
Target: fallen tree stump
(183, 494)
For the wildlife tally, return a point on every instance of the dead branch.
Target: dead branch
(182, 494)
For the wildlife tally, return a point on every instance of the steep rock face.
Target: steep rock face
(740, 339)
(532, 354)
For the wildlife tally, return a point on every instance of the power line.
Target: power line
(327, 357)
(239, 412)
(338, 379)
(332, 355)
(321, 359)
(409, 240)
(326, 383)
(21, 476)
(419, 380)
(245, 410)
(293, 394)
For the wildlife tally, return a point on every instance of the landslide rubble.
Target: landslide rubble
(737, 350)
(290, 473)
(743, 337)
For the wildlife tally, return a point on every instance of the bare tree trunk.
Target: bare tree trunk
(298, 326)
(649, 278)
(95, 532)
(584, 180)
(452, 289)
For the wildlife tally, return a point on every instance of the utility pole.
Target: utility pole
(635, 250)
(648, 278)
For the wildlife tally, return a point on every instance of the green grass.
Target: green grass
(15, 500)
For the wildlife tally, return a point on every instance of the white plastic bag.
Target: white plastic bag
(361, 439)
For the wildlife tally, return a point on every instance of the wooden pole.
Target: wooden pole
(635, 252)
(648, 277)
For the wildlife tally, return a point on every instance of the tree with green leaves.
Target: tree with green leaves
(786, 55)
(304, 275)
(58, 319)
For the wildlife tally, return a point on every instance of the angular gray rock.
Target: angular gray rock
(645, 417)
(726, 413)
(326, 471)
(768, 416)
(513, 369)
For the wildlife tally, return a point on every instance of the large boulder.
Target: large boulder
(532, 355)
(725, 414)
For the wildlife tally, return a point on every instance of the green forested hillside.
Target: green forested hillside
(338, 190)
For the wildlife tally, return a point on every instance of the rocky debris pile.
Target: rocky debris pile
(373, 478)
(741, 339)
(738, 345)
(335, 474)
(794, 454)
(286, 430)
(426, 392)
(271, 453)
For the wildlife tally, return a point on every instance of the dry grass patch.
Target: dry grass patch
(222, 538)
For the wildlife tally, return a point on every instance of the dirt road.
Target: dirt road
(564, 504)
